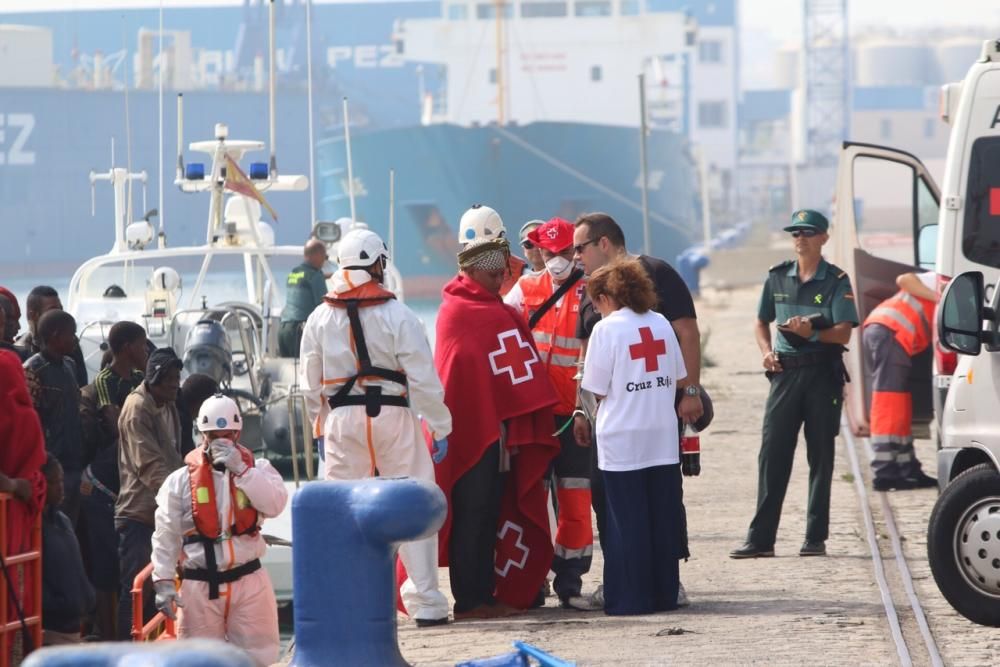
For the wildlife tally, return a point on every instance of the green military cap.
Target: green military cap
(808, 219)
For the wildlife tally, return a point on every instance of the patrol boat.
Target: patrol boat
(226, 324)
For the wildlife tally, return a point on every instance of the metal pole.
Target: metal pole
(350, 167)
(159, 168)
(180, 136)
(501, 111)
(270, 100)
(309, 101)
(646, 246)
(392, 211)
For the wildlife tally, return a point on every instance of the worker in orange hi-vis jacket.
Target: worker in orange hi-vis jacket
(897, 330)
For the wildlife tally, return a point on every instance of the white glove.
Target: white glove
(224, 452)
(167, 597)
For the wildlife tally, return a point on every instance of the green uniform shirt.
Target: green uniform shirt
(828, 292)
(304, 291)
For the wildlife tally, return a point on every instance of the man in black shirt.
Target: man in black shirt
(597, 241)
(41, 300)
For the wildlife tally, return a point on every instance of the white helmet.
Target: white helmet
(480, 223)
(219, 413)
(360, 248)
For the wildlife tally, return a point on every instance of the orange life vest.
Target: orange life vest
(515, 268)
(909, 317)
(555, 334)
(203, 505)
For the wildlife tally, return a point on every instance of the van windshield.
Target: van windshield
(981, 231)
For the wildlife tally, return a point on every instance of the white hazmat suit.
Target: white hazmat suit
(357, 445)
(245, 613)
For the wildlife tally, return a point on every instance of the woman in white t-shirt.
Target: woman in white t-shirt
(633, 365)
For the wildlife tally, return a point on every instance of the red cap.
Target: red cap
(555, 235)
(13, 299)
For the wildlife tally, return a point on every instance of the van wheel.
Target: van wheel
(963, 544)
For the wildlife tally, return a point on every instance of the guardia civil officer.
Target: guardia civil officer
(813, 303)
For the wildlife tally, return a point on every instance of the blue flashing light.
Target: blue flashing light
(194, 171)
(258, 171)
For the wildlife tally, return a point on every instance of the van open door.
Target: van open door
(885, 224)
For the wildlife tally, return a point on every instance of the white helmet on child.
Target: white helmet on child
(360, 248)
(480, 223)
(219, 413)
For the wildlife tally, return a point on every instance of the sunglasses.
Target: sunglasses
(527, 245)
(806, 233)
(578, 249)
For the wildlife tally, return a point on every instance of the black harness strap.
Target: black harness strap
(214, 578)
(373, 400)
(573, 279)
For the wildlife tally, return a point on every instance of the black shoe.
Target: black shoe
(888, 484)
(813, 548)
(750, 550)
(922, 481)
(431, 622)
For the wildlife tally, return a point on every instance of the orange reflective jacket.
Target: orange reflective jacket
(909, 317)
(555, 334)
(515, 267)
(203, 506)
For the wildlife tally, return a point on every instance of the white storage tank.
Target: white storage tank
(955, 56)
(25, 56)
(895, 63)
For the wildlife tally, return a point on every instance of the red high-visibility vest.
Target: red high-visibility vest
(555, 334)
(909, 317)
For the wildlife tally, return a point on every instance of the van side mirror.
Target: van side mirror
(961, 313)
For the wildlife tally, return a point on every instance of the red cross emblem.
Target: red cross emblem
(552, 233)
(509, 548)
(514, 357)
(648, 349)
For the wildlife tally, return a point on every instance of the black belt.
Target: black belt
(372, 399)
(215, 578)
(808, 359)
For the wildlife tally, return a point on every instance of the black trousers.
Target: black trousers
(598, 499)
(475, 512)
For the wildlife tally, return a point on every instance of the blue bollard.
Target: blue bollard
(188, 653)
(346, 535)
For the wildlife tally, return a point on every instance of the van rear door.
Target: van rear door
(885, 224)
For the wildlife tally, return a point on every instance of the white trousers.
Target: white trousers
(393, 444)
(245, 614)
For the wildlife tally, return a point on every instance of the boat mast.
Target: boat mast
(501, 98)
(644, 166)
(309, 100)
(271, 83)
(350, 166)
(161, 237)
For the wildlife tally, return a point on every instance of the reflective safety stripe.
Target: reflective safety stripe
(915, 304)
(564, 360)
(568, 343)
(568, 554)
(895, 316)
(904, 457)
(541, 337)
(884, 455)
(573, 482)
(898, 440)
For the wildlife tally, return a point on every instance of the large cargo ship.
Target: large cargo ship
(529, 106)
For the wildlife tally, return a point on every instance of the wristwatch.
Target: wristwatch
(692, 390)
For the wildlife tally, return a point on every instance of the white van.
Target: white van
(900, 222)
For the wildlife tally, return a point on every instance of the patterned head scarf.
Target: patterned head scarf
(486, 255)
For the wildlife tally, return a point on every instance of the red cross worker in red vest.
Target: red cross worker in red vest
(208, 519)
(496, 539)
(550, 302)
(897, 330)
(632, 366)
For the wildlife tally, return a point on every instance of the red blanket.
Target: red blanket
(487, 361)
(22, 453)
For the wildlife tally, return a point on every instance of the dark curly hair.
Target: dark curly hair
(626, 282)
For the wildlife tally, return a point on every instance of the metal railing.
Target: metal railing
(11, 602)
(159, 628)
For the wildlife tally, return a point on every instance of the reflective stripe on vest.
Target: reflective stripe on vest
(908, 317)
(204, 507)
(555, 334)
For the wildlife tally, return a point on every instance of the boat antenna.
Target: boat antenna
(270, 95)
(128, 127)
(180, 137)
(350, 166)
(309, 101)
(499, 8)
(161, 237)
(392, 211)
(644, 166)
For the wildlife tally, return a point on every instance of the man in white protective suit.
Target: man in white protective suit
(209, 512)
(365, 361)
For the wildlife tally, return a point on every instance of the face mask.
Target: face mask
(559, 267)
